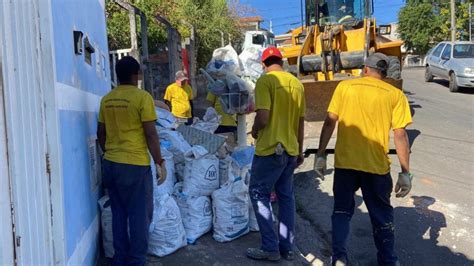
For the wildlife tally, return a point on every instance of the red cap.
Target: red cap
(271, 51)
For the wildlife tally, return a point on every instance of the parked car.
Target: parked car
(453, 61)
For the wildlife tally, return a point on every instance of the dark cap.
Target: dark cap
(377, 61)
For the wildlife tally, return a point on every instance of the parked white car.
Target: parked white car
(453, 61)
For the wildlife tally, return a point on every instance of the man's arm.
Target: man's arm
(152, 141)
(326, 133)
(402, 146)
(101, 136)
(261, 121)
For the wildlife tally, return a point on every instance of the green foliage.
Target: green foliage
(423, 23)
(207, 16)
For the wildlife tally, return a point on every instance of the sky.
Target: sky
(286, 14)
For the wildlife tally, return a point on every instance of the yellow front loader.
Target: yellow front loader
(332, 46)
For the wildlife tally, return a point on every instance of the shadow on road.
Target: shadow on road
(445, 83)
(412, 135)
(417, 228)
(417, 231)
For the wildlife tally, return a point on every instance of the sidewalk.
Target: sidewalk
(207, 251)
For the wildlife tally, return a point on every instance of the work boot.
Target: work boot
(287, 255)
(258, 254)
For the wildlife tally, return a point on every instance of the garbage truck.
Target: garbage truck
(332, 45)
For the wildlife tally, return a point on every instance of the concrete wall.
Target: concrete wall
(79, 87)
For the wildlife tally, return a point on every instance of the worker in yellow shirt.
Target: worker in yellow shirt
(279, 131)
(179, 96)
(228, 122)
(127, 135)
(366, 109)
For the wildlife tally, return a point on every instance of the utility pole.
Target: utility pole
(271, 24)
(470, 22)
(453, 20)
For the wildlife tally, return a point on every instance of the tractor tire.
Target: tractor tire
(394, 70)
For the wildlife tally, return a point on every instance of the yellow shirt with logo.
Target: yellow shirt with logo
(179, 98)
(367, 109)
(123, 110)
(226, 120)
(283, 95)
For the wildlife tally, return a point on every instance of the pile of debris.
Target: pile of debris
(232, 78)
(206, 187)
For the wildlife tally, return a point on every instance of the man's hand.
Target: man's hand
(300, 160)
(320, 166)
(160, 173)
(403, 186)
(254, 133)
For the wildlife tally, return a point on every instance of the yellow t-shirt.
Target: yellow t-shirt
(367, 109)
(179, 99)
(122, 111)
(283, 95)
(226, 120)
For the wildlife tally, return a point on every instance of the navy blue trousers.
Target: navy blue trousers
(131, 194)
(268, 172)
(376, 191)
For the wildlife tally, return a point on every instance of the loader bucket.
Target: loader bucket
(318, 94)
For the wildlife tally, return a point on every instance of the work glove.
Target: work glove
(403, 186)
(320, 166)
(160, 172)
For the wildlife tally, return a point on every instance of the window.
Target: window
(463, 51)
(447, 52)
(258, 39)
(437, 51)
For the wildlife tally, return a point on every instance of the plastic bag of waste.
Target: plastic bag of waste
(196, 213)
(224, 60)
(166, 119)
(166, 229)
(178, 145)
(251, 62)
(210, 122)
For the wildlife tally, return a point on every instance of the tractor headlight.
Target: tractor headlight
(469, 70)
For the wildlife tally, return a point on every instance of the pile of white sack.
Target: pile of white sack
(233, 77)
(203, 191)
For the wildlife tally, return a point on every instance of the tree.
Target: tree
(423, 23)
(207, 16)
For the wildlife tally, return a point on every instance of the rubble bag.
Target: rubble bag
(230, 211)
(178, 144)
(201, 172)
(196, 213)
(166, 187)
(166, 229)
(251, 58)
(106, 225)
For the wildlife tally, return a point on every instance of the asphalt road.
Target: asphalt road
(435, 223)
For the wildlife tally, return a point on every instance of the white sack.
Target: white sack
(166, 119)
(168, 186)
(178, 145)
(201, 172)
(106, 224)
(224, 60)
(251, 62)
(196, 213)
(231, 211)
(166, 229)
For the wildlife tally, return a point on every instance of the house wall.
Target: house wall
(78, 89)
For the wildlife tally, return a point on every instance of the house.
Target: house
(54, 68)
